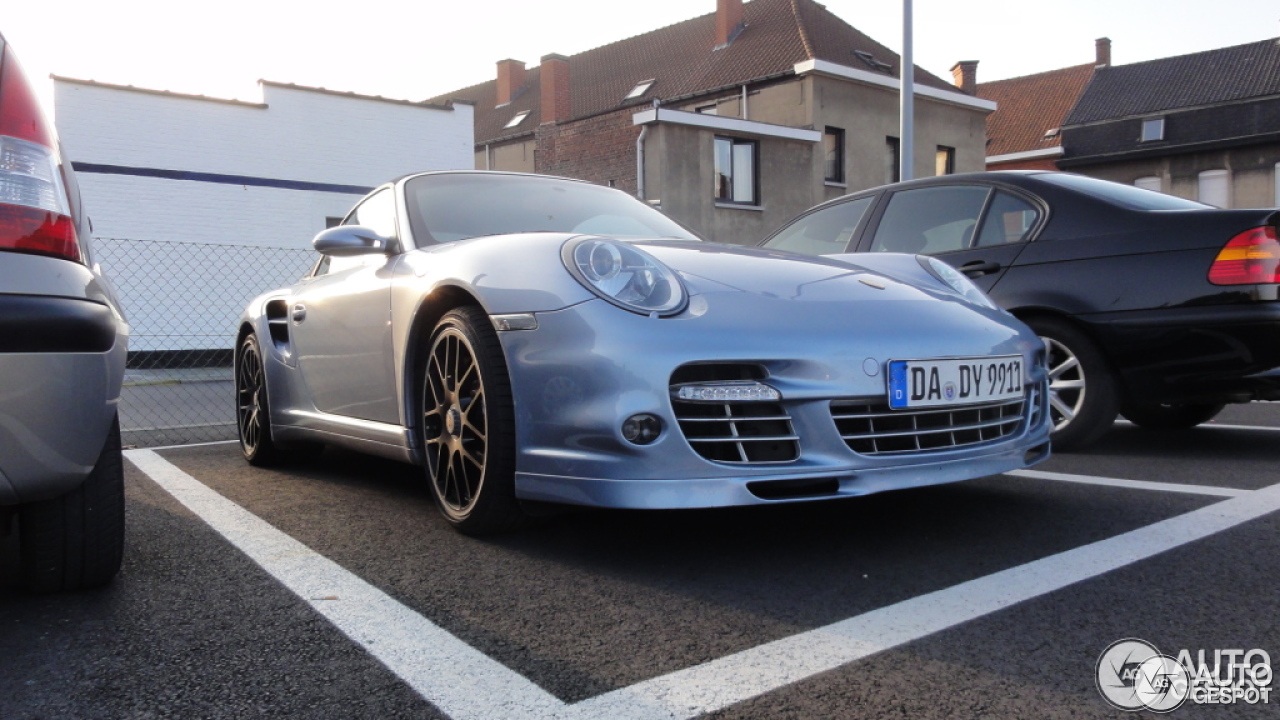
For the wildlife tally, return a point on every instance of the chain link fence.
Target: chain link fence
(183, 302)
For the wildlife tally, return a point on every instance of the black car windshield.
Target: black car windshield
(455, 206)
(1129, 196)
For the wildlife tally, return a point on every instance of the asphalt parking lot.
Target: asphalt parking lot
(334, 590)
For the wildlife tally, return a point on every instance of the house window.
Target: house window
(1150, 182)
(707, 109)
(892, 162)
(833, 155)
(945, 160)
(736, 171)
(1152, 129)
(519, 118)
(641, 88)
(332, 221)
(1215, 188)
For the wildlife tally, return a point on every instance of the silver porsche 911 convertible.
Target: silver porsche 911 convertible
(529, 339)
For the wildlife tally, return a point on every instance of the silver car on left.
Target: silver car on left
(63, 345)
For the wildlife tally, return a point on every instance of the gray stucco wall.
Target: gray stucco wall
(1253, 172)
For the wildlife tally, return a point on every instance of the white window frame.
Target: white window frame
(519, 118)
(1215, 188)
(1152, 129)
(1150, 182)
(641, 88)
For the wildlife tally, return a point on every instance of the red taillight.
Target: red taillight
(34, 211)
(20, 114)
(32, 230)
(1252, 257)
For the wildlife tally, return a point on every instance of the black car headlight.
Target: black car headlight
(624, 275)
(955, 280)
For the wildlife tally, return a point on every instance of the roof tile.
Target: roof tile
(682, 61)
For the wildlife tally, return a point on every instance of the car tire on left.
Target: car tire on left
(253, 412)
(76, 541)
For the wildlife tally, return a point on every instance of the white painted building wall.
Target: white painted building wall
(296, 135)
(193, 198)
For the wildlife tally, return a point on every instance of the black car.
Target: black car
(1155, 307)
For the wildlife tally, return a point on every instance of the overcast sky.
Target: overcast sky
(415, 50)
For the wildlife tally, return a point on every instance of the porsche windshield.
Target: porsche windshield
(454, 206)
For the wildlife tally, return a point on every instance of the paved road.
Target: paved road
(333, 590)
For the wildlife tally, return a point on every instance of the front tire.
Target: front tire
(1155, 416)
(468, 425)
(76, 541)
(1083, 396)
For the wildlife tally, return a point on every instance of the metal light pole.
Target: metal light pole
(906, 136)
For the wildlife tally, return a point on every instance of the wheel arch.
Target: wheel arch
(434, 305)
(1031, 314)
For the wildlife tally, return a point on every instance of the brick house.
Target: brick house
(732, 122)
(1204, 126)
(1025, 131)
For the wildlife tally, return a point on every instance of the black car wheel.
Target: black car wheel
(1083, 401)
(1170, 417)
(76, 541)
(253, 412)
(468, 425)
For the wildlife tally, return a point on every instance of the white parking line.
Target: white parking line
(450, 674)
(1211, 425)
(467, 685)
(1131, 484)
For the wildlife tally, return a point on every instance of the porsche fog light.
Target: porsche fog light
(624, 275)
(642, 429)
(736, 391)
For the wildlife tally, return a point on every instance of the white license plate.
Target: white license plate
(962, 381)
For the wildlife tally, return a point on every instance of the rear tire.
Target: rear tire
(468, 425)
(253, 412)
(1170, 417)
(1083, 397)
(76, 541)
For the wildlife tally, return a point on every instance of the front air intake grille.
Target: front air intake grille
(874, 429)
(738, 432)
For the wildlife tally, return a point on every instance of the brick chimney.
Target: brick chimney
(555, 88)
(965, 74)
(1103, 46)
(510, 79)
(728, 21)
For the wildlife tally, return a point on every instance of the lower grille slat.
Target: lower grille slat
(871, 428)
(738, 432)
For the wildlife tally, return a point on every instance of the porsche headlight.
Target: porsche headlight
(956, 280)
(624, 275)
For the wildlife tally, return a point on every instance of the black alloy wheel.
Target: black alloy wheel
(468, 425)
(253, 416)
(253, 412)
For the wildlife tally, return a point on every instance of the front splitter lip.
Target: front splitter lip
(732, 490)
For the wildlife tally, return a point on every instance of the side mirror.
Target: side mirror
(351, 240)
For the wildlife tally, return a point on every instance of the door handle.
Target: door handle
(978, 268)
(299, 312)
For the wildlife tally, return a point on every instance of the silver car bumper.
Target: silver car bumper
(588, 368)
